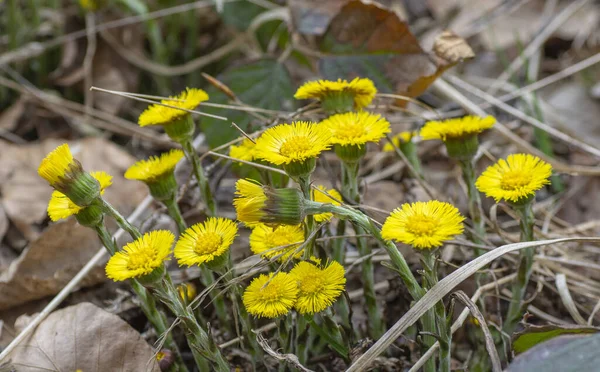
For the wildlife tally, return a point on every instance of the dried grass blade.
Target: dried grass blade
(565, 296)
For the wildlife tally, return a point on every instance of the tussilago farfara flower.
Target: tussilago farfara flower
(255, 203)
(270, 296)
(424, 225)
(281, 240)
(60, 206)
(158, 173)
(318, 287)
(515, 179)
(141, 257)
(340, 95)
(399, 139)
(162, 115)
(295, 146)
(65, 174)
(456, 128)
(245, 151)
(187, 291)
(331, 196)
(206, 242)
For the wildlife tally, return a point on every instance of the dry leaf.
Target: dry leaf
(84, 337)
(3, 222)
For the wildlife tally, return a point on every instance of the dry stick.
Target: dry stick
(73, 283)
(444, 287)
(461, 318)
(446, 89)
(536, 43)
(526, 118)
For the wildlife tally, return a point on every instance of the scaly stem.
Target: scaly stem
(284, 329)
(147, 303)
(475, 208)
(175, 213)
(200, 342)
(339, 254)
(309, 222)
(121, 221)
(519, 286)
(203, 183)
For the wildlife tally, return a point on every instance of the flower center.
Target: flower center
(420, 225)
(514, 180)
(271, 292)
(207, 243)
(295, 145)
(312, 284)
(141, 259)
(350, 131)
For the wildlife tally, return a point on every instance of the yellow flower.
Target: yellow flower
(155, 167)
(424, 225)
(318, 287)
(362, 90)
(60, 206)
(516, 178)
(275, 241)
(456, 128)
(249, 201)
(398, 139)
(356, 128)
(140, 257)
(334, 198)
(292, 143)
(245, 151)
(203, 242)
(187, 291)
(57, 165)
(161, 115)
(270, 296)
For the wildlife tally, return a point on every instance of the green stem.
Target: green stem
(203, 183)
(284, 328)
(475, 208)
(410, 150)
(309, 222)
(175, 213)
(339, 254)
(330, 333)
(302, 340)
(201, 343)
(207, 278)
(519, 286)
(121, 221)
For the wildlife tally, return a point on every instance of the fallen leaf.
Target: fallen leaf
(533, 335)
(84, 337)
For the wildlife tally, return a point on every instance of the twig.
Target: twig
(288, 358)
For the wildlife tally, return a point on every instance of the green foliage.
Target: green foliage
(534, 335)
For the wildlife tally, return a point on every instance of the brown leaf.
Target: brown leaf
(451, 49)
(311, 17)
(84, 337)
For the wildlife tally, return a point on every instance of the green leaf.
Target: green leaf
(264, 83)
(239, 14)
(533, 335)
(567, 353)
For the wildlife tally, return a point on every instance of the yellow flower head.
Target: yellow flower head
(161, 115)
(203, 242)
(280, 241)
(362, 90)
(456, 128)
(60, 206)
(187, 291)
(514, 179)
(245, 151)
(288, 143)
(398, 139)
(424, 225)
(249, 201)
(270, 296)
(333, 197)
(356, 128)
(155, 167)
(57, 165)
(319, 287)
(140, 257)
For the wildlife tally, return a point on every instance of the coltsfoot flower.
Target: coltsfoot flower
(142, 257)
(158, 173)
(65, 174)
(60, 206)
(515, 179)
(245, 151)
(271, 296)
(206, 242)
(163, 115)
(399, 139)
(331, 196)
(295, 146)
(456, 128)
(340, 95)
(255, 203)
(424, 225)
(319, 287)
(274, 241)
